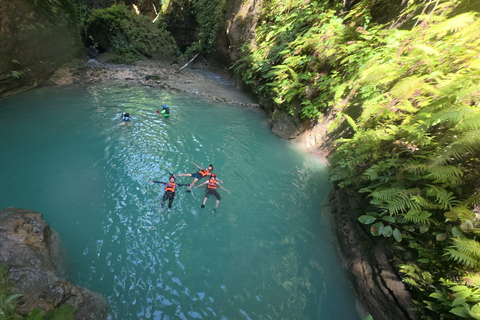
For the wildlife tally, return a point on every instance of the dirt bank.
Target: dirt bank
(198, 80)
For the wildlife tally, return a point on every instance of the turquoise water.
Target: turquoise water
(267, 253)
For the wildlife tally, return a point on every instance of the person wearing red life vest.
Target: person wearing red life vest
(202, 173)
(170, 188)
(212, 185)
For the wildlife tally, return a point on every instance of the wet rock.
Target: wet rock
(284, 125)
(30, 250)
(377, 286)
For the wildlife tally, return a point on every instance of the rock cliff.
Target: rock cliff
(29, 248)
(378, 288)
(32, 45)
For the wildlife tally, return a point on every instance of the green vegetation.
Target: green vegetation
(208, 16)
(8, 305)
(131, 37)
(407, 106)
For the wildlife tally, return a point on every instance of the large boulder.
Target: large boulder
(35, 41)
(30, 250)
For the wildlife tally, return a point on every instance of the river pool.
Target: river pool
(268, 251)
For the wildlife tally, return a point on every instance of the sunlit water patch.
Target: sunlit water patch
(267, 253)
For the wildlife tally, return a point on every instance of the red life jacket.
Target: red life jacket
(204, 172)
(170, 187)
(212, 184)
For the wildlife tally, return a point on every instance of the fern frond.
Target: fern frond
(474, 199)
(386, 194)
(417, 168)
(454, 24)
(445, 174)
(443, 197)
(467, 144)
(425, 203)
(418, 216)
(464, 251)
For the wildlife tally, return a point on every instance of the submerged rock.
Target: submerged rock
(30, 250)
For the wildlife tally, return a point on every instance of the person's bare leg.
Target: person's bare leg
(191, 185)
(183, 175)
(204, 201)
(216, 204)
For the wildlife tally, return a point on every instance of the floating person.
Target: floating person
(126, 116)
(169, 191)
(165, 111)
(197, 175)
(212, 184)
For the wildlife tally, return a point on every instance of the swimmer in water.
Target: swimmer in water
(211, 189)
(169, 191)
(165, 111)
(202, 173)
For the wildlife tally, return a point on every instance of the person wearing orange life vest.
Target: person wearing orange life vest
(212, 184)
(202, 173)
(170, 188)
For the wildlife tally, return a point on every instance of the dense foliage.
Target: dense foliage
(207, 14)
(117, 29)
(410, 96)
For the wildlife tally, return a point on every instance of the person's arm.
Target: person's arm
(183, 184)
(224, 188)
(197, 166)
(201, 184)
(158, 182)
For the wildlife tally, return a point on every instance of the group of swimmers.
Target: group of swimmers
(165, 111)
(171, 186)
(211, 189)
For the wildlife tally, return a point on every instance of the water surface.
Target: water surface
(266, 254)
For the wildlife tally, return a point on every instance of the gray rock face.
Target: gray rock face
(32, 46)
(378, 288)
(284, 125)
(29, 248)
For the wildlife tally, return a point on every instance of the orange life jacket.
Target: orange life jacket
(212, 184)
(204, 172)
(170, 187)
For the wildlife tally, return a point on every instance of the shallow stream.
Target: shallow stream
(267, 253)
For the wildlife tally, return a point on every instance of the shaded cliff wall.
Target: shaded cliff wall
(32, 45)
(30, 251)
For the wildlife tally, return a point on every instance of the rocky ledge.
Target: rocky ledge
(377, 286)
(29, 248)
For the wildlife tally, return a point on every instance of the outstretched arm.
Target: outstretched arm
(197, 165)
(158, 182)
(224, 188)
(201, 184)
